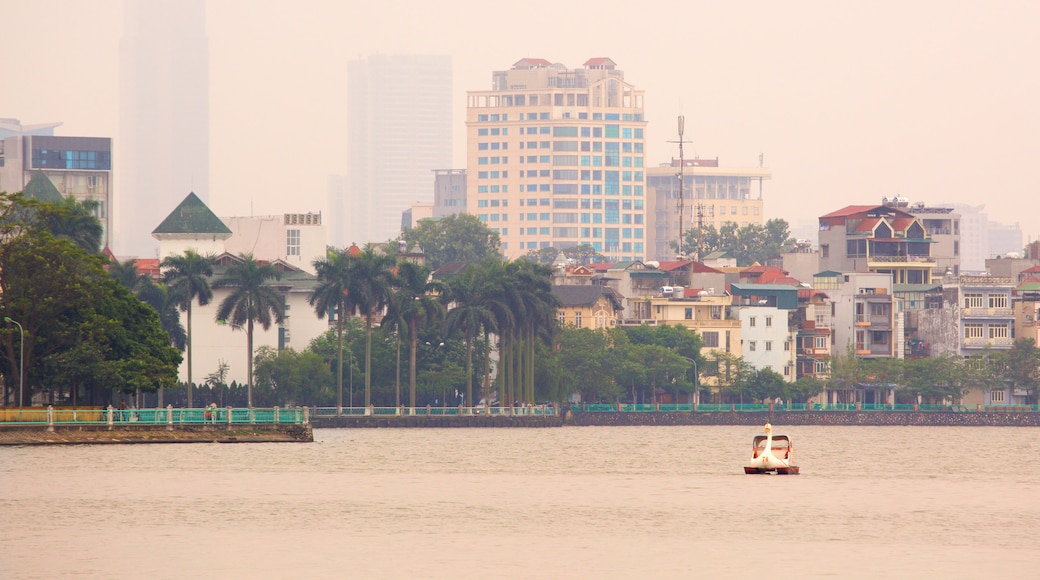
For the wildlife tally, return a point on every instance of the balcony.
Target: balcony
(922, 260)
(987, 313)
(1005, 342)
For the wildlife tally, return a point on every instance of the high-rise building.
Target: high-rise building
(399, 131)
(555, 158)
(80, 167)
(449, 192)
(164, 117)
(712, 196)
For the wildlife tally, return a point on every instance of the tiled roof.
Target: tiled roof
(600, 61)
(451, 269)
(867, 225)
(579, 295)
(41, 188)
(673, 265)
(192, 216)
(849, 211)
(531, 63)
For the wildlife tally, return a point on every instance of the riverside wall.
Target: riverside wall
(128, 434)
(846, 418)
(446, 421)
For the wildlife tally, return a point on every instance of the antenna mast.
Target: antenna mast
(681, 202)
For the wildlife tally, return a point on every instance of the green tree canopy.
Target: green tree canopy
(747, 244)
(457, 238)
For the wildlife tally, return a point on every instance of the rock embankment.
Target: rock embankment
(867, 418)
(83, 435)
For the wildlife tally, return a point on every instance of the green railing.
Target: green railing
(168, 416)
(431, 411)
(799, 407)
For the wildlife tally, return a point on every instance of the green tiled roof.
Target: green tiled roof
(192, 217)
(41, 188)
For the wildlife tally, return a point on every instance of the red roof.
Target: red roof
(849, 211)
(900, 224)
(867, 225)
(1031, 270)
(531, 63)
(673, 265)
(600, 61)
(806, 293)
(148, 266)
(601, 266)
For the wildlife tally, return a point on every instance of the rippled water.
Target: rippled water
(591, 502)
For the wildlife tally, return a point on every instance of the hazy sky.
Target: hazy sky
(848, 101)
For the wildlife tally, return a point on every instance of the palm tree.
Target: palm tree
(414, 306)
(252, 300)
(187, 279)
(126, 273)
(330, 297)
(159, 297)
(470, 315)
(368, 292)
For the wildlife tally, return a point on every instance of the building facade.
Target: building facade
(943, 225)
(865, 316)
(449, 192)
(164, 117)
(877, 238)
(399, 118)
(555, 158)
(712, 195)
(80, 167)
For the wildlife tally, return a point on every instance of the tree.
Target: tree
(187, 278)
(747, 244)
(1022, 368)
(584, 254)
(370, 285)
(159, 297)
(252, 301)
(330, 297)
(414, 306)
(470, 315)
(588, 364)
(126, 273)
(544, 256)
(766, 385)
(846, 372)
(84, 333)
(73, 220)
(457, 238)
(803, 389)
(287, 377)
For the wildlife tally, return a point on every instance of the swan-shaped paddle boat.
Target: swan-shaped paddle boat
(771, 454)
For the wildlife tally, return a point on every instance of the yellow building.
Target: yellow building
(712, 195)
(555, 158)
(593, 307)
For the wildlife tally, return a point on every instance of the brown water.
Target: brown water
(592, 502)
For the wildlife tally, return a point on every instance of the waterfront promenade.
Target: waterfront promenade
(50, 425)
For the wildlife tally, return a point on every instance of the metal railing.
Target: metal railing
(798, 407)
(437, 411)
(169, 416)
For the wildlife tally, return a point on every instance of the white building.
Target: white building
(288, 242)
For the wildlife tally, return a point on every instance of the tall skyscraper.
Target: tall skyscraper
(399, 132)
(163, 150)
(555, 157)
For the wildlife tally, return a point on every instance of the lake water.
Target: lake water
(573, 502)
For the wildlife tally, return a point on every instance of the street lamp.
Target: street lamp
(696, 378)
(21, 359)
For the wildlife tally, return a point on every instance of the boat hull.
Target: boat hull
(792, 470)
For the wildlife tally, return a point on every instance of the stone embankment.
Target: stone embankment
(865, 418)
(450, 421)
(126, 434)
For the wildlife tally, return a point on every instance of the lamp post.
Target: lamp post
(21, 359)
(696, 381)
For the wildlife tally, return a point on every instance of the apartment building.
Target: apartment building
(555, 158)
(976, 315)
(877, 238)
(712, 195)
(768, 326)
(77, 167)
(865, 314)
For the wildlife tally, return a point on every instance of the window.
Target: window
(751, 321)
(998, 301)
(689, 314)
(751, 346)
(292, 242)
(972, 331)
(998, 331)
(769, 345)
(996, 396)
(820, 367)
(577, 319)
(769, 321)
(820, 342)
(972, 300)
(561, 315)
(711, 339)
(787, 345)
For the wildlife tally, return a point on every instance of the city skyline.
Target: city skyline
(846, 103)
